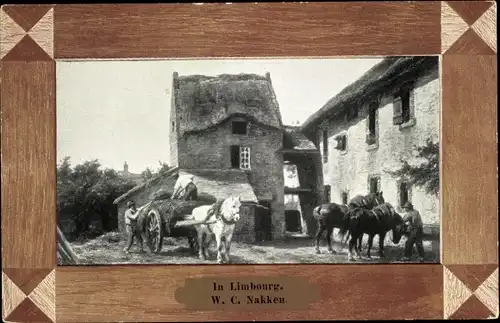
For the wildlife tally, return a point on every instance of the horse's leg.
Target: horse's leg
(218, 240)
(228, 246)
(360, 242)
(381, 237)
(352, 243)
(319, 232)
(370, 243)
(329, 232)
(206, 245)
(200, 232)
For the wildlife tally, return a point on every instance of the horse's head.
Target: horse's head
(398, 226)
(231, 208)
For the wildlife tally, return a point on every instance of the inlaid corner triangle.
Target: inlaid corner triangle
(44, 295)
(487, 293)
(12, 296)
(452, 26)
(455, 293)
(486, 27)
(10, 33)
(43, 33)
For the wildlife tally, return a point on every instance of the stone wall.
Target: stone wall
(349, 170)
(210, 149)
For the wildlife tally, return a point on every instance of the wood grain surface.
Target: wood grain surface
(146, 293)
(469, 160)
(28, 165)
(247, 29)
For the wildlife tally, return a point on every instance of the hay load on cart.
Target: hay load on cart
(158, 219)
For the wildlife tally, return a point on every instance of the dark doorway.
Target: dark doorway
(263, 222)
(235, 156)
(292, 221)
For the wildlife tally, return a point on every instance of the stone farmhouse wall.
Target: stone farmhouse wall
(349, 170)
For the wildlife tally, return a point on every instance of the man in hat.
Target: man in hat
(131, 215)
(415, 226)
(185, 188)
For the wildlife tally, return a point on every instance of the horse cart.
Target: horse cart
(163, 217)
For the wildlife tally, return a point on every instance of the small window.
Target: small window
(402, 109)
(341, 142)
(345, 197)
(239, 127)
(173, 126)
(371, 137)
(374, 184)
(325, 146)
(404, 195)
(245, 157)
(405, 99)
(327, 193)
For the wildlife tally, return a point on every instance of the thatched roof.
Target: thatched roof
(391, 70)
(152, 181)
(295, 139)
(205, 101)
(222, 184)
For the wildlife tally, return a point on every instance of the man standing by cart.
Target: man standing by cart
(131, 215)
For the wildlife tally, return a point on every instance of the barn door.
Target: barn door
(263, 222)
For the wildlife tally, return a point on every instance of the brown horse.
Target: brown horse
(367, 202)
(377, 221)
(329, 216)
(332, 215)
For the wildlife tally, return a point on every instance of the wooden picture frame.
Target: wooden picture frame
(34, 38)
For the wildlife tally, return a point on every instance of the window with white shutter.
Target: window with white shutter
(245, 157)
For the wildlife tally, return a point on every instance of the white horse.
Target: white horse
(221, 226)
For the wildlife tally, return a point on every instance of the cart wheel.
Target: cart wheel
(154, 232)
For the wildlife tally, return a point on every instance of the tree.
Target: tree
(148, 173)
(86, 192)
(426, 173)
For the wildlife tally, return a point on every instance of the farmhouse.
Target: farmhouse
(365, 131)
(227, 131)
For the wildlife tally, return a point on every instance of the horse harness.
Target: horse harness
(219, 215)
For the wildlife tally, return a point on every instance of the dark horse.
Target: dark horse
(329, 216)
(332, 215)
(366, 202)
(379, 220)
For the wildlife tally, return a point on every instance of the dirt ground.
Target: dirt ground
(108, 249)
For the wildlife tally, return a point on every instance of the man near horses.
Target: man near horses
(415, 226)
(131, 215)
(185, 188)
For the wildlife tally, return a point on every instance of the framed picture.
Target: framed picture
(249, 161)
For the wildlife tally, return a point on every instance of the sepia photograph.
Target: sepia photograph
(248, 161)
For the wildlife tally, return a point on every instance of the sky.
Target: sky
(117, 111)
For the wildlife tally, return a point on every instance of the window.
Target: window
(374, 184)
(239, 127)
(345, 197)
(173, 126)
(404, 193)
(341, 142)
(325, 146)
(401, 106)
(371, 138)
(327, 193)
(240, 157)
